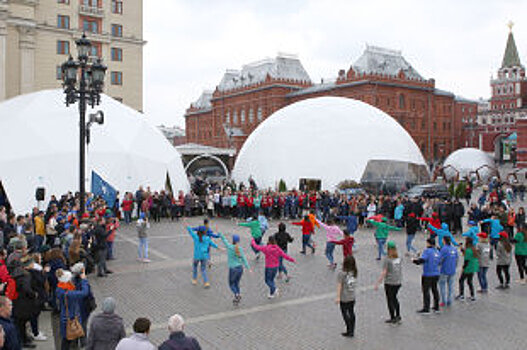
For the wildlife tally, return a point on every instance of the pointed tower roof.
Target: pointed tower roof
(511, 57)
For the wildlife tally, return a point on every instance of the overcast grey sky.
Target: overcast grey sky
(192, 42)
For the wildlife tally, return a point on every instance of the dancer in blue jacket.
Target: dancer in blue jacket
(430, 260)
(472, 231)
(202, 244)
(443, 232)
(448, 261)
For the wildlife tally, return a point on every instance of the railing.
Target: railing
(91, 11)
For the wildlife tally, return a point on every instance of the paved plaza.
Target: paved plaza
(305, 315)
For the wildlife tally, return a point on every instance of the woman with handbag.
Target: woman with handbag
(88, 305)
(70, 300)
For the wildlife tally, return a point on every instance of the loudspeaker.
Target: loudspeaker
(40, 193)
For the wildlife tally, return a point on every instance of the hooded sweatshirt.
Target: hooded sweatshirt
(472, 233)
(333, 232)
(233, 259)
(443, 232)
(448, 260)
(254, 225)
(201, 249)
(382, 229)
(495, 228)
(272, 254)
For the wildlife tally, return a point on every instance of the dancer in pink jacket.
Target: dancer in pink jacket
(272, 254)
(333, 233)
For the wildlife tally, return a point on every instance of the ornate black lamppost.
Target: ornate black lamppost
(88, 89)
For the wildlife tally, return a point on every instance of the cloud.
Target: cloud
(191, 42)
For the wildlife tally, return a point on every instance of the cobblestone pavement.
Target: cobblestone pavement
(305, 315)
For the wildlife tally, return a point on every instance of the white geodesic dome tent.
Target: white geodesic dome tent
(330, 139)
(40, 148)
(467, 162)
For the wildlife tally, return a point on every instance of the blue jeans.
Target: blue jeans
(127, 216)
(203, 269)
(270, 274)
(281, 267)
(409, 240)
(109, 249)
(235, 275)
(444, 282)
(482, 277)
(330, 248)
(143, 248)
(38, 242)
(306, 242)
(380, 246)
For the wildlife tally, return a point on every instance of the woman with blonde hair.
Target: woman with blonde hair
(392, 276)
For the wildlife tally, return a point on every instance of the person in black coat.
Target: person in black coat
(100, 234)
(458, 211)
(178, 340)
(24, 306)
(282, 240)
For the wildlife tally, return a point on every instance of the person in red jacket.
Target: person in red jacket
(127, 205)
(433, 221)
(307, 230)
(346, 243)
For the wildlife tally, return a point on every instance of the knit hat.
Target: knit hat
(431, 241)
(77, 268)
(472, 223)
(504, 234)
(482, 235)
(66, 277)
(391, 245)
(108, 305)
(235, 239)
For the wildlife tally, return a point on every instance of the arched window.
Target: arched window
(234, 118)
(402, 103)
(251, 116)
(242, 116)
(228, 118)
(260, 116)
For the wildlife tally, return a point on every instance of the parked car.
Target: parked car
(433, 190)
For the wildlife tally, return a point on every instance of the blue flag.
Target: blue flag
(99, 187)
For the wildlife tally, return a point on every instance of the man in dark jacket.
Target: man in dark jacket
(106, 328)
(100, 234)
(178, 340)
(24, 306)
(11, 341)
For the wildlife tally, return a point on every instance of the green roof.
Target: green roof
(511, 57)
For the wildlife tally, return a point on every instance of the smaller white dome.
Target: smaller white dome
(468, 162)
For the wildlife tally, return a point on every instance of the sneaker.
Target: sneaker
(28, 346)
(303, 252)
(271, 296)
(506, 286)
(346, 334)
(501, 286)
(472, 299)
(109, 272)
(194, 281)
(460, 297)
(390, 320)
(334, 266)
(424, 312)
(40, 337)
(436, 311)
(442, 305)
(398, 320)
(313, 250)
(146, 260)
(206, 285)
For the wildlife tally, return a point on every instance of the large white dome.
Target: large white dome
(331, 139)
(468, 161)
(40, 148)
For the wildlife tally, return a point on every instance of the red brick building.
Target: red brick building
(380, 77)
(498, 125)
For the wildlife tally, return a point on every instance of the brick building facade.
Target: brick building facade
(380, 77)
